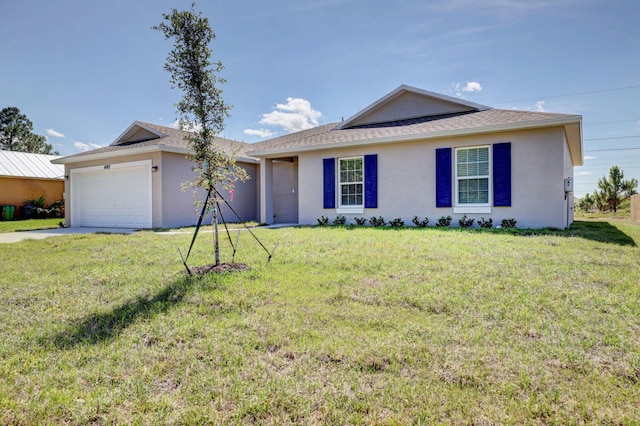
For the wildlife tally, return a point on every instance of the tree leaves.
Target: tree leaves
(16, 134)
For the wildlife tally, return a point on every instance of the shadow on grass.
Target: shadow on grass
(98, 327)
(600, 231)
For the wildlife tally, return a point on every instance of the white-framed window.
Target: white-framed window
(351, 183)
(473, 179)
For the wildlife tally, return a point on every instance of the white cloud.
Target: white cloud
(296, 115)
(540, 106)
(189, 127)
(471, 86)
(81, 146)
(589, 157)
(263, 133)
(52, 132)
(583, 173)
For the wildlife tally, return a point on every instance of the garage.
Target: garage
(112, 195)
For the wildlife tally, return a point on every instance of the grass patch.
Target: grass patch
(29, 225)
(345, 326)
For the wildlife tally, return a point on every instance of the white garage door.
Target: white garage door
(117, 195)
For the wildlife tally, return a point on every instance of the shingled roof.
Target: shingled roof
(143, 137)
(488, 121)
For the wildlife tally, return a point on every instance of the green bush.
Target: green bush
(485, 223)
(340, 220)
(464, 222)
(323, 221)
(420, 223)
(377, 221)
(360, 221)
(508, 223)
(397, 223)
(444, 221)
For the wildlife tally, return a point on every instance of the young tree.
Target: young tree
(16, 134)
(201, 110)
(586, 202)
(615, 189)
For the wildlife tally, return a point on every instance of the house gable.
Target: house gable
(138, 132)
(408, 103)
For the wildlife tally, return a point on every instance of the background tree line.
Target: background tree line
(16, 134)
(610, 193)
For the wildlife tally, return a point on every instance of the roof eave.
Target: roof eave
(119, 153)
(564, 121)
(136, 151)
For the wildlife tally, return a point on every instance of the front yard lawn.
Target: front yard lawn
(345, 326)
(29, 225)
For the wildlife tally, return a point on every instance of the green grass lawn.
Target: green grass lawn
(29, 225)
(345, 326)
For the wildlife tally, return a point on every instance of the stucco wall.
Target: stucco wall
(406, 179)
(171, 206)
(178, 207)
(15, 191)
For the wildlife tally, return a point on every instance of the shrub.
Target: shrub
(377, 221)
(508, 223)
(420, 223)
(397, 223)
(360, 221)
(485, 223)
(340, 220)
(323, 221)
(464, 222)
(444, 221)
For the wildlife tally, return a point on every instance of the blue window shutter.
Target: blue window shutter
(329, 174)
(502, 174)
(443, 177)
(371, 181)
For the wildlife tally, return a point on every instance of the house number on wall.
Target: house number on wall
(107, 166)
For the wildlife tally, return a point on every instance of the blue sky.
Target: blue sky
(84, 70)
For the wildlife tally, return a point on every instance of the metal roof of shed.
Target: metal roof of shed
(27, 165)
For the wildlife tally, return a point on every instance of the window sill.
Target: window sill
(472, 209)
(350, 210)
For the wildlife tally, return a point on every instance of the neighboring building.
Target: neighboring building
(25, 176)
(419, 153)
(136, 182)
(411, 153)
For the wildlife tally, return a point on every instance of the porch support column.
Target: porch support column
(266, 191)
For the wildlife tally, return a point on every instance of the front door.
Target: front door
(285, 190)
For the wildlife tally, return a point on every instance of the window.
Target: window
(356, 183)
(472, 176)
(351, 182)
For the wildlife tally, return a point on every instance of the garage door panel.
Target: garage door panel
(116, 197)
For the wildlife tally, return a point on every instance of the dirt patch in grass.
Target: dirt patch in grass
(222, 268)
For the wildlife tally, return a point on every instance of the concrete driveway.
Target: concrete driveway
(14, 237)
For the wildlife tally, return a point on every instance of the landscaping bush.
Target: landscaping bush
(397, 223)
(340, 220)
(323, 221)
(360, 221)
(444, 221)
(508, 223)
(420, 223)
(485, 223)
(464, 222)
(377, 221)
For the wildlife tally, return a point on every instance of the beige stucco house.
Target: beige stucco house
(419, 153)
(411, 153)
